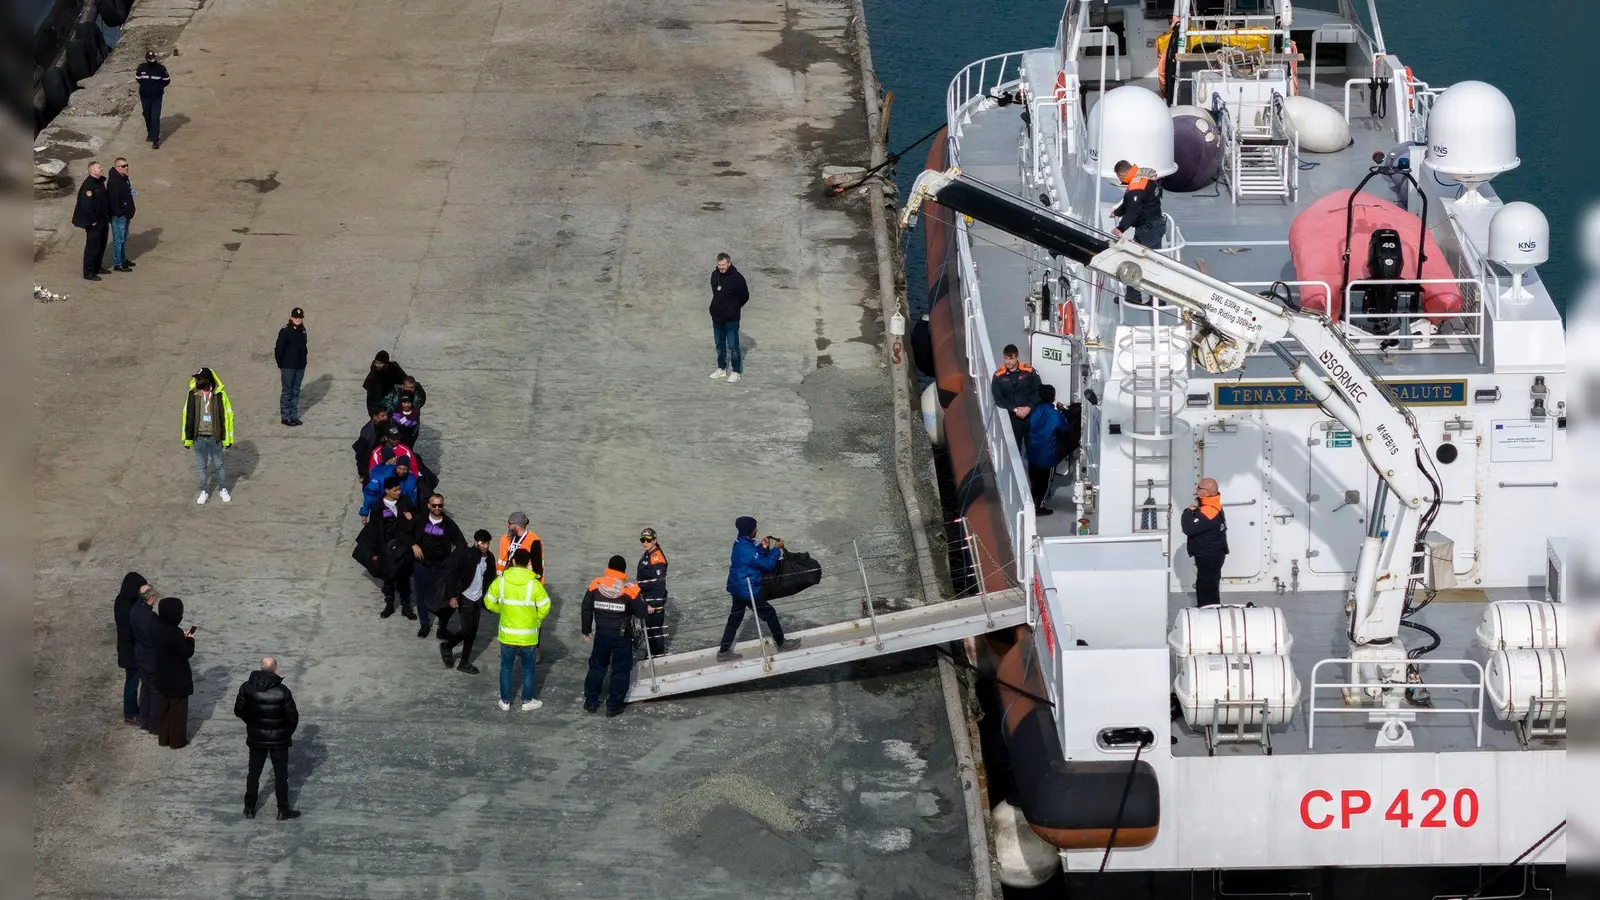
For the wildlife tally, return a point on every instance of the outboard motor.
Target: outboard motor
(1386, 260)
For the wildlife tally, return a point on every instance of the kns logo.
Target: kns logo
(1439, 150)
(1527, 246)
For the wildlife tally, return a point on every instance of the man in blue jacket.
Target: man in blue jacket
(750, 561)
(1047, 436)
(399, 467)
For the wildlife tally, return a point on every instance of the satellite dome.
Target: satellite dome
(1472, 135)
(1138, 128)
(1519, 239)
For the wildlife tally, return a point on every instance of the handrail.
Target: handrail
(962, 91)
(1313, 708)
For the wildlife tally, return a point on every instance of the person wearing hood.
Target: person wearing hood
(208, 428)
(93, 214)
(395, 467)
(267, 707)
(119, 193)
(1139, 213)
(729, 294)
(749, 562)
(519, 598)
(384, 376)
(142, 624)
(132, 593)
(610, 607)
(174, 679)
(291, 354)
(1206, 527)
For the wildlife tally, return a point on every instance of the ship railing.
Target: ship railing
(1010, 471)
(1466, 325)
(978, 82)
(1470, 692)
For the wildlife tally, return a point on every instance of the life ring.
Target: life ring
(1294, 70)
(1411, 93)
(1061, 94)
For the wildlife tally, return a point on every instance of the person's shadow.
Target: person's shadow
(314, 393)
(142, 242)
(308, 752)
(240, 461)
(211, 686)
(171, 124)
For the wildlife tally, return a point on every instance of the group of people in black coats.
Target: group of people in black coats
(154, 649)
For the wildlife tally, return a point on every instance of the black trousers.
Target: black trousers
(655, 626)
(94, 247)
(1208, 579)
(470, 613)
(769, 617)
(613, 651)
(280, 775)
(1148, 235)
(1039, 481)
(152, 117)
(399, 584)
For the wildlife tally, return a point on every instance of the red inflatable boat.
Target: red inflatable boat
(1317, 241)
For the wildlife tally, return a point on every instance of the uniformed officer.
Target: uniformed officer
(153, 80)
(1139, 211)
(1015, 388)
(609, 607)
(652, 580)
(93, 215)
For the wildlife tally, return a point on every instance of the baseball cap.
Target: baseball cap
(297, 313)
(649, 534)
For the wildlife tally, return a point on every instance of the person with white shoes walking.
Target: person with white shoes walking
(208, 428)
(729, 294)
(519, 598)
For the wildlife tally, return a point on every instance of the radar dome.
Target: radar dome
(1519, 239)
(1472, 135)
(1137, 127)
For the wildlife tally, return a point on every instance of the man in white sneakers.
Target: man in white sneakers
(519, 598)
(208, 428)
(729, 294)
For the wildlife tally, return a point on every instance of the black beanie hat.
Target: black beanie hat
(382, 356)
(745, 525)
(618, 564)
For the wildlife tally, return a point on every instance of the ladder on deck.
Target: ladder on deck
(1152, 362)
(1264, 154)
(827, 645)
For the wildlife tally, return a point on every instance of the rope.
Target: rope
(888, 162)
(1127, 788)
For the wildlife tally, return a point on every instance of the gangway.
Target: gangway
(877, 634)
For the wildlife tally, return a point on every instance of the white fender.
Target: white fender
(933, 415)
(1025, 860)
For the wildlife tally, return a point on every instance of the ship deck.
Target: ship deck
(1317, 622)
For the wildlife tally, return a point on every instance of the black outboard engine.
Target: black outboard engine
(1386, 260)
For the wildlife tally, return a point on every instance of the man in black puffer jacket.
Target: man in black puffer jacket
(270, 718)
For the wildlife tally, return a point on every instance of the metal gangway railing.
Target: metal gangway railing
(866, 606)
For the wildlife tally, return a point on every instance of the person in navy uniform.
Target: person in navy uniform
(651, 576)
(153, 80)
(1015, 389)
(93, 215)
(1207, 529)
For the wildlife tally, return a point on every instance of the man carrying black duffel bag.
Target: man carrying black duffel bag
(384, 545)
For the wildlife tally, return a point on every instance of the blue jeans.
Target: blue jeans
(727, 337)
(208, 451)
(508, 658)
(614, 652)
(130, 693)
(289, 399)
(119, 240)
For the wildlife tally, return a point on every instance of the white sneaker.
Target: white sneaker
(531, 705)
(734, 376)
(223, 493)
(720, 373)
(201, 500)
(505, 706)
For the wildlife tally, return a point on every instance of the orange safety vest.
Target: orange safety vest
(503, 558)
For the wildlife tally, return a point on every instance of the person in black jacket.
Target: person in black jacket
(610, 606)
(384, 546)
(133, 589)
(290, 354)
(651, 576)
(153, 80)
(367, 441)
(468, 574)
(384, 376)
(267, 707)
(729, 294)
(434, 538)
(1207, 529)
(119, 187)
(1015, 388)
(1139, 212)
(93, 215)
(142, 623)
(174, 680)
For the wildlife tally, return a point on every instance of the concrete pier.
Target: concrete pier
(522, 202)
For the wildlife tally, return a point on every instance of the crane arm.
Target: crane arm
(1231, 323)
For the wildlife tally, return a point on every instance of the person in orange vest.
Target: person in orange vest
(610, 606)
(1206, 528)
(518, 537)
(1139, 212)
(1015, 389)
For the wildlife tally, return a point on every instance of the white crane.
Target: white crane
(1229, 324)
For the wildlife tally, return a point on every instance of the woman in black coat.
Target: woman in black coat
(174, 680)
(121, 607)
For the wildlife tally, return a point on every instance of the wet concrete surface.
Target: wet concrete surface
(521, 202)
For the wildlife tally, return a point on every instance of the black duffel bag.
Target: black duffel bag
(795, 573)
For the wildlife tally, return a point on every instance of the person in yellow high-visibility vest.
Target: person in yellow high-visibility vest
(519, 597)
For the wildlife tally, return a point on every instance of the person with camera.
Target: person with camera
(749, 562)
(174, 680)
